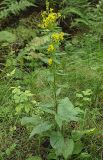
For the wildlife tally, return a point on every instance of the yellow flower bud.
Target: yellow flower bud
(50, 61)
(51, 10)
(59, 15)
(61, 36)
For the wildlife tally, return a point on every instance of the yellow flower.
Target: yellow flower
(55, 37)
(49, 19)
(58, 37)
(50, 61)
(51, 48)
(61, 36)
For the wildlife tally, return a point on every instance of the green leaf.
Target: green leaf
(87, 92)
(27, 109)
(52, 155)
(58, 92)
(10, 149)
(48, 110)
(58, 121)
(77, 135)
(35, 120)
(89, 131)
(67, 111)
(78, 147)
(57, 142)
(19, 108)
(6, 36)
(79, 95)
(68, 148)
(86, 99)
(11, 73)
(48, 107)
(44, 126)
(84, 156)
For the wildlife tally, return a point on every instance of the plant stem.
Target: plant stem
(54, 87)
(47, 6)
(39, 143)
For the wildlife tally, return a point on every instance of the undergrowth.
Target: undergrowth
(51, 81)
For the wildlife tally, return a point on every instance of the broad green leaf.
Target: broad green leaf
(50, 77)
(35, 120)
(67, 111)
(57, 142)
(6, 36)
(78, 147)
(76, 135)
(58, 121)
(68, 148)
(42, 127)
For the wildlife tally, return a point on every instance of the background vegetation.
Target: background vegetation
(51, 98)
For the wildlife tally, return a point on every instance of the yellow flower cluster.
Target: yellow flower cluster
(50, 61)
(49, 20)
(56, 37)
(51, 48)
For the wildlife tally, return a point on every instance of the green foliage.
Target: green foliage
(62, 112)
(10, 149)
(84, 98)
(34, 158)
(66, 111)
(57, 140)
(13, 7)
(22, 100)
(6, 36)
(38, 73)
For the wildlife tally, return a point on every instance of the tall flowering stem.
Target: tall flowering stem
(56, 39)
(49, 21)
(54, 87)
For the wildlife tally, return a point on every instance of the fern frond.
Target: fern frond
(29, 52)
(6, 36)
(8, 8)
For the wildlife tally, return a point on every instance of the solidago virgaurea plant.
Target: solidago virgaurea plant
(54, 124)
